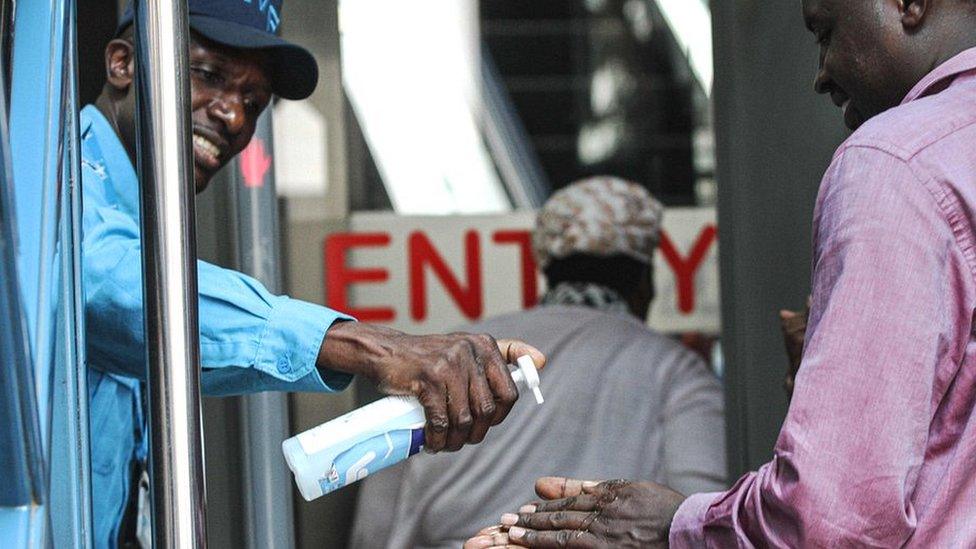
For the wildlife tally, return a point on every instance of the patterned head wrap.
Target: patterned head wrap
(600, 216)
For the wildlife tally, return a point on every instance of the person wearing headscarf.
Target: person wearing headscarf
(622, 401)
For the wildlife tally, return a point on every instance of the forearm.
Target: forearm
(355, 348)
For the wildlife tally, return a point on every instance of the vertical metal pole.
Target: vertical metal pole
(267, 489)
(170, 274)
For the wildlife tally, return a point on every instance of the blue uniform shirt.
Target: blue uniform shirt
(250, 340)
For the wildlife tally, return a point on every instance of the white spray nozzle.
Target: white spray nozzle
(529, 375)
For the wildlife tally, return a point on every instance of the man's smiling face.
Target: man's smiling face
(861, 55)
(229, 89)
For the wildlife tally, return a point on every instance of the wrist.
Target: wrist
(354, 348)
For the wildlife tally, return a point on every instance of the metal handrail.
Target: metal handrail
(164, 162)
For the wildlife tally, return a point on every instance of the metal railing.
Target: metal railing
(164, 162)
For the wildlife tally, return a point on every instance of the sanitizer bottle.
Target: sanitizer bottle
(346, 449)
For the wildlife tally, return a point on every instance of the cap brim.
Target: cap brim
(294, 72)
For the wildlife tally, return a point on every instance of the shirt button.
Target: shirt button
(284, 365)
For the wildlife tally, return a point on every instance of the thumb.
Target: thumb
(512, 349)
(562, 487)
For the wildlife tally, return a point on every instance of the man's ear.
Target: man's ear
(119, 64)
(913, 12)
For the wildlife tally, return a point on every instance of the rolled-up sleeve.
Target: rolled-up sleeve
(892, 302)
(250, 339)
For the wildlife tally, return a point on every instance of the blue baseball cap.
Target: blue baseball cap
(253, 25)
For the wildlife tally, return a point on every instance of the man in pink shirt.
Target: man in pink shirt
(879, 446)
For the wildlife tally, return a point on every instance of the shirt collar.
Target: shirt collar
(102, 145)
(961, 63)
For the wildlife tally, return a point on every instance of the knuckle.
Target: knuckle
(486, 342)
(460, 352)
(464, 422)
(438, 423)
(487, 408)
(439, 370)
(563, 537)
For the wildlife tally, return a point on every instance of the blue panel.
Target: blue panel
(44, 146)
(35, 131)
(22, 520)
(22, 527)
(15, 373)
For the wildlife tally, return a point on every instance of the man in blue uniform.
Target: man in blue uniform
(250, 340)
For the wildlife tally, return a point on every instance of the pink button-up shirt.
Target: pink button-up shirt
(879, 446)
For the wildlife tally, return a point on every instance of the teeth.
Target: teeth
(206, 145)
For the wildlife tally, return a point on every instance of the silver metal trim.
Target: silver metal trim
(170, 274)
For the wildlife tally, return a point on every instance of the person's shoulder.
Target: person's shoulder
(593, 324)
(544, 317)
(913, 128)
(901, 156)
(615, 326)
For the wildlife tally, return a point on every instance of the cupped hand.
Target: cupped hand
(462, 380)
(574, 513)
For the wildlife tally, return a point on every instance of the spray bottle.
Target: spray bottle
(363, 441)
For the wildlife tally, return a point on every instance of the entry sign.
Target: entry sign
(424, 274)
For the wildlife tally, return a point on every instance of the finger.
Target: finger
(481, 397)
(562, 487)
(498, 541)
(479, 542)
(435, 410)
(458, 409)
(483, 407)
(558, 520)
(489, 538)
(503, 389)
(552, 538)
(786, 314)
(582, 502)
(512, 349)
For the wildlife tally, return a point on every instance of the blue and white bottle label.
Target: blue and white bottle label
(371, 455)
